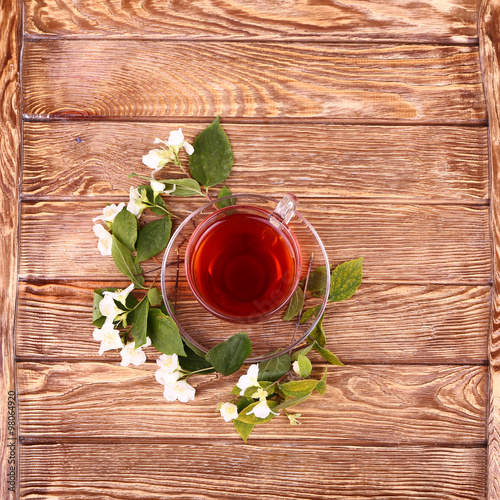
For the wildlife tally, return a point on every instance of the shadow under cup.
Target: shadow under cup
(243, 264)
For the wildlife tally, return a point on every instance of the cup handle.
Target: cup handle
(284, 211)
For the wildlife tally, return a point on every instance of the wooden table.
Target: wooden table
(375, 114)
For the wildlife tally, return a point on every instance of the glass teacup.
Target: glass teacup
(243, 263)
(214, 287)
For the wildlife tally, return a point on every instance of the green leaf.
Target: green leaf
(228, 357)
(243, 429)
(164, 333)
(225, 191)
(153, 238)
(296, 304)
(317, 280)
(183, 187)
(126, 264)
(140, 326)
(298, 388)
(318, 333)
(307, 315)
(329, 356)
(191, 346)
(130, 302)
(305, 366)
(154, 296)
(304, 351)
(125, 228)
(345, 280)
(321, 387)
(99, 323)
(292, 402)
(192, 362)
(243, 402)
(151, 199)
(212, 160)
(96, 312)
(252, 419)
(274, 368)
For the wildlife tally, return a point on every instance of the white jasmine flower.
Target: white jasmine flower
(153, 159)
(176, 141)
(164, 377)
(120, 295)
(132, 355)
(136, 203)
(109, 213)
(108, 307)
(180, 390)
(260, 394)
(109, 337)
(261, 410)
(248, 380)
(169, 363)
(228, 411)
(105, 239)
(295, 367)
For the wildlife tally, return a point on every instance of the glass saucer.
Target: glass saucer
(271, 336)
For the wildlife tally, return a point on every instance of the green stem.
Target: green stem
(179, 164)
(279, 380)
(200, 371)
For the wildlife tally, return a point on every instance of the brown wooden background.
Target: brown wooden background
(375, 114)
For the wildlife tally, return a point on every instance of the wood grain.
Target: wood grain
(427, 21)
(400, 243)
(381, 323)
(215, 471)
(489, 26)
(153, 79)
(10, 144)
(369, 162)
(363, 405)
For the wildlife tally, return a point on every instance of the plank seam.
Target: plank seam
(307, 39)
(30, 198)
(27, 440)
(56, 360)
(249, 120)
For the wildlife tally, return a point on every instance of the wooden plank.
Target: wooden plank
(400, 243)
(443, 21)
(214, 471)
(370, 162)
(367, 83)
(381, 323)
(10, 144)
(363, 405)
(489, 26)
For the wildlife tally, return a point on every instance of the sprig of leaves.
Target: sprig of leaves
(283, 381)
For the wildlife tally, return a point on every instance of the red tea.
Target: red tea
(241, 266)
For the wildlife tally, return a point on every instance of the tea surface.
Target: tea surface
(243, 266)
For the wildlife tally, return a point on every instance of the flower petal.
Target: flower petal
(152, 159)
(176, 138)
(188, 148)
